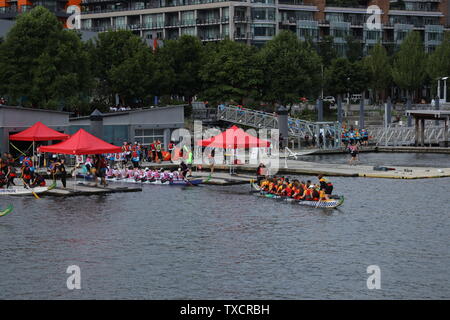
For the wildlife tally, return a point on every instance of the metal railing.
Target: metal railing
(298, 128)
(405, 136)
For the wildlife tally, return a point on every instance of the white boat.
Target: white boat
(21, 190)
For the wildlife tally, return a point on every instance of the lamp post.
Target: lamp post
(444, 98)
(445, 89)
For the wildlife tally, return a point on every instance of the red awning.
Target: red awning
(234, 138)
(38, 132)
(82, 142)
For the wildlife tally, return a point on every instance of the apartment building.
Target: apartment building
(9, 9)
(257, 21)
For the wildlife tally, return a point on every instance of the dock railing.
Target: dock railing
(299, 129)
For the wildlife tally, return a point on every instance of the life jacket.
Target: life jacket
(329, 188)
(288, 191)
(308, 194)
(315, 194)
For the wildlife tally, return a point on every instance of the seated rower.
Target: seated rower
(308, 194)
(287, 191)
(38, 181)
(323, 195)
(3, 179)
(315, 193)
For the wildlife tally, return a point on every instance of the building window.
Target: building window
(147, 136)
(262, 30)
(263, 13)
(188, 31)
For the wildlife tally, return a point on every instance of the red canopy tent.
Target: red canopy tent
(38, 132)
(82, 142)
(234, 138)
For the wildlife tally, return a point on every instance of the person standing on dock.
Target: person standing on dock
(212, 160)
(61, 169)
(353, 148)
(101, 166)
(158, 148)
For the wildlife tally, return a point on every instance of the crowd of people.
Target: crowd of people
(28, 174)
(353, 136)
(136, 153)
(298, 190)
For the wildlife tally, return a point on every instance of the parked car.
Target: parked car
(330, 99)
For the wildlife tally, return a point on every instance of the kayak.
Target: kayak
(21, 191)
(9, 209)
(326, 204)
(187, 182)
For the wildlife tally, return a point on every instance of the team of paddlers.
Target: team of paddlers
(143, 175)
(298, 190)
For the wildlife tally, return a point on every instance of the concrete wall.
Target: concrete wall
(16, 119)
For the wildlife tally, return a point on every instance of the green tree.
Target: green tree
(408, 70)
(327, 51)
(344, 77)
(354, 49)
(230, 72)
(438, 63)
(42, 64)
(123, 65)
(379, 68)
(183, 58)
(291, 69)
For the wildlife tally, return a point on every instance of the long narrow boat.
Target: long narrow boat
(326, 204)
(22, 191)
(4, 212)
(186, 182)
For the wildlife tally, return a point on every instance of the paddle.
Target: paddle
(189, 183)
(32, 191)
(9, 209)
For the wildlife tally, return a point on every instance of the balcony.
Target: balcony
(242, 19)
(213, 37)
(128, 7)
(207, 21)
(243, 36)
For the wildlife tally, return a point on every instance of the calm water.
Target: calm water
(387, 159)
(225, 243)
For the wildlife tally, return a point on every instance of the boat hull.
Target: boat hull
(22, 191)
(159, 182)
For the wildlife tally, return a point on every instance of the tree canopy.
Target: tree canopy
(231, 72)
(408, 70)
(291, 69)
(42, 64)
